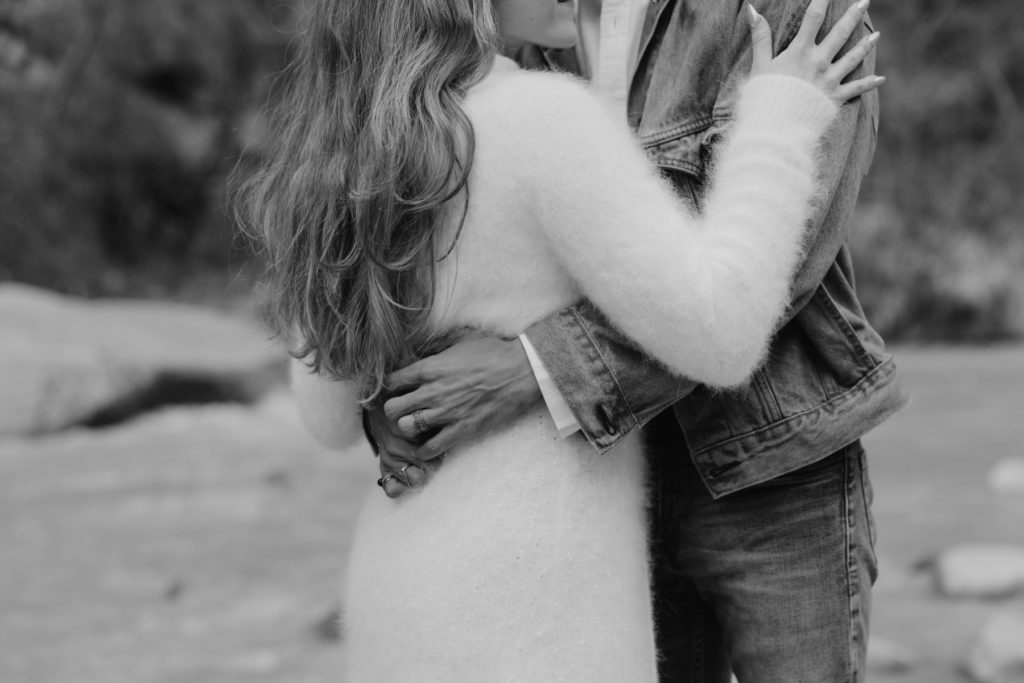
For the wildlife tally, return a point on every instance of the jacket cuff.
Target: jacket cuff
(558, 408)
(583, 378)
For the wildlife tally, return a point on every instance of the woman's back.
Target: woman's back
(521, 536)
(499, 276)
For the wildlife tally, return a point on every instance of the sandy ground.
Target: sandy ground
(205, 545)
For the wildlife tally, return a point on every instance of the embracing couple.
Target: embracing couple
(603, 336)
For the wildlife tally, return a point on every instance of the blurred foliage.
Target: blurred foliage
(939, 237)
(120, 120)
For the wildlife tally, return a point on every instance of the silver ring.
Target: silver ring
(401, 476)
(398, 474)
(419, 422)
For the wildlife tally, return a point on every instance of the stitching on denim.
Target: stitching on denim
(826, 302)
(865, 381)
(678, 165)
(608, 373)
(865, 482)
(852, 580)
(686, 128)
(769, 391)
(699, 649)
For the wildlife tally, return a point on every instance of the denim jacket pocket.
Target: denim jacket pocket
(679, 149)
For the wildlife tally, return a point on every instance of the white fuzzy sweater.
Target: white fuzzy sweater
(524, 558)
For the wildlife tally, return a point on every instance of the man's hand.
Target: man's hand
(464, 391)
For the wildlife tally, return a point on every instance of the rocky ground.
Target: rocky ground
(947, 475)
(205, 543)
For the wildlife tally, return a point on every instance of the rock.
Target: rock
(887, 657)
(997, 652)
(67, 361)
(1007, 476)
(175, 589)
(980, 571)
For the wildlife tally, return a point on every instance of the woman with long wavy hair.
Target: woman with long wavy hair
(421, 183)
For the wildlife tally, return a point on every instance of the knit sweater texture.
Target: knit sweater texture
(525, 556)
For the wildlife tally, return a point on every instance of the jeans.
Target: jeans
(772, 582)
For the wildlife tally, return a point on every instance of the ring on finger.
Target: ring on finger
(419, 422)
(401, 475)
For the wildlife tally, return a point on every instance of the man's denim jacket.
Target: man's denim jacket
(827, 378)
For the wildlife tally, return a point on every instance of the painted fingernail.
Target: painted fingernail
(873, 38)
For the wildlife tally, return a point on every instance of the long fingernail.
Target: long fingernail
(753, 14)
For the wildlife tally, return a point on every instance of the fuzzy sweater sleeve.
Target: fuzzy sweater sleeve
(329, 408)
(701, 294)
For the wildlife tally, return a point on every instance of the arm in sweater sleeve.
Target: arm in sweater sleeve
(328, 408)
(633, 391)
(700, 294)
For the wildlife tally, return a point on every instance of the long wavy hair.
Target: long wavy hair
(369, 145)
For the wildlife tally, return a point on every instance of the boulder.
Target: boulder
(1007, 476)
(67, 361)
(980, 571)
(997, 652)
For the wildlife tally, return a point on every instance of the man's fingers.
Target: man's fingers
(405, 404)
(418, 422)
(409, 377)
(439, 444)
(814, 17)
(840, 34)
(385, 433)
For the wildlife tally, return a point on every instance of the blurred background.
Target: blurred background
(144, 537)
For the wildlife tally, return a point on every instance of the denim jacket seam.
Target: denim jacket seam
(867, 380)
(844, 327)
(582, 324)
(678, 165)
(762, 378)
(687, 127)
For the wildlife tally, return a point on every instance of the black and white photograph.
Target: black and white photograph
(511, 341)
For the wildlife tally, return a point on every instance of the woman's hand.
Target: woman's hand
(814, 62)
